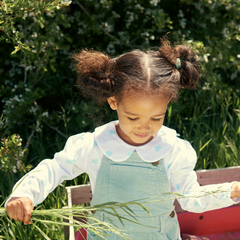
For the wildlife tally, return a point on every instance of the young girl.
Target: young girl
(135, 157)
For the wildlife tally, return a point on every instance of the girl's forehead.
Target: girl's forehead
(133, 95)
(137, 103)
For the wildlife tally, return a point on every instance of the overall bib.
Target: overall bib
(131, 180)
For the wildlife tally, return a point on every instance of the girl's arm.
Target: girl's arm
(183, 179)
(34, 187)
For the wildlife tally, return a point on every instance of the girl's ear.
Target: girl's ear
(112, 103)
(172, 96)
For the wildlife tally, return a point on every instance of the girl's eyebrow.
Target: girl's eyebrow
(158, 115)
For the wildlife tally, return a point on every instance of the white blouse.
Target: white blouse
(83, 153)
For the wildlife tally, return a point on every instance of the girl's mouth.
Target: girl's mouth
(141, 135)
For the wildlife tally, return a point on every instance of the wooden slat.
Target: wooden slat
(76, 195)
(221, 175)
(80, 194)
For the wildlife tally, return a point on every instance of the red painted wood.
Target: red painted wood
(81, 234)
(211, 222)
(221, 236)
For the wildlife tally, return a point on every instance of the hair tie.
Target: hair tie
(178, 63)
(103, 74)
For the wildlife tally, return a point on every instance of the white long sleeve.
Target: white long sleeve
(66, 164)
(183, 179)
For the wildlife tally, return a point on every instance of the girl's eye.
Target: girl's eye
(132, 119)
(156, 119)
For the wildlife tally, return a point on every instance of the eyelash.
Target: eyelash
(134, 119)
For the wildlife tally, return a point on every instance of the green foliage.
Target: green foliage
(12, 156)
(12, 162)
(13, 11)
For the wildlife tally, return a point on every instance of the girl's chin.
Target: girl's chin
(138, 141)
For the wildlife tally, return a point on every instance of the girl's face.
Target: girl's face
(140, 117)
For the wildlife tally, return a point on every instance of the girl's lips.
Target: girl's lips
(141, 135)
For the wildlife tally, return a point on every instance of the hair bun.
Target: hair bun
(187, 66)
(89, 61)
(95, 70)
(189, 69)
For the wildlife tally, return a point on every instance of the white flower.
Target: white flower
(45, 114)
(234, 75)
(205, 57)
(111, 48)
(80, 31)
(49, 14)
(138, 6)
(130, 18)
(213, 20)
(180, 13)
(183, 22)
(67, 2)
(14, 169)
(21, 154)
(206, 86)
(32, 110)
(28, 68)
(34, 35)
(154, 2)
(38, 129)
(19, 164)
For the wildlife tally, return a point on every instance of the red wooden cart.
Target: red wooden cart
(219, 224)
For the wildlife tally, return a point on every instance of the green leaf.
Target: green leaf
(17, 48)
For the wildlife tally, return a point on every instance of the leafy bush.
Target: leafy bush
(40, 101)
(37, 84)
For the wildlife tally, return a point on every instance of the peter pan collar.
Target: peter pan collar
(117, 150)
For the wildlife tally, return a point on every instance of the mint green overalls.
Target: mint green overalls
(131, 180)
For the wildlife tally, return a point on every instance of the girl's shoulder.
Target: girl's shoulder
(79, 142)
(88, 139)
(80, 137)
(182, 155)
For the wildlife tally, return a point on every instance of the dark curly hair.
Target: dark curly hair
(151, 72)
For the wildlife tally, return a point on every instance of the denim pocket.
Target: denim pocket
(129, 183)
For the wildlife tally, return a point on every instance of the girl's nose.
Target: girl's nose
(144, 126)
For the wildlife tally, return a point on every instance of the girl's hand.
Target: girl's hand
(20, 208)
(235, 190)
